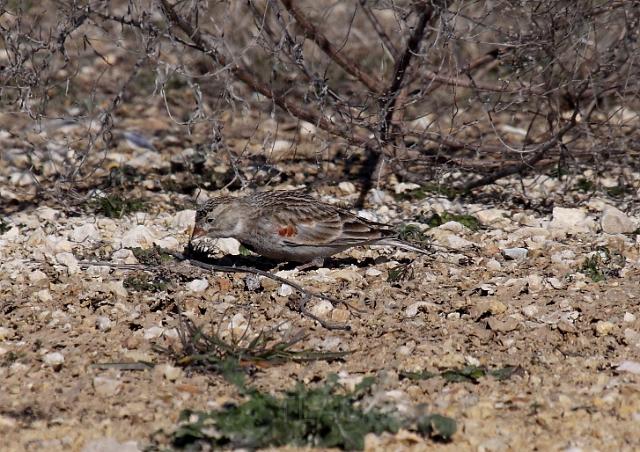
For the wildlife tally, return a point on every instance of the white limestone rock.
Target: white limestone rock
(85, 232)
(138, 237)
(571, 221)
(614, 221)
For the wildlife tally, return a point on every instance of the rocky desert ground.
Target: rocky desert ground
(520, 330)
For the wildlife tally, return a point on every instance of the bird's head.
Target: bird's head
(218, 218)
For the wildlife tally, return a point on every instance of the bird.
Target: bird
(291, 225)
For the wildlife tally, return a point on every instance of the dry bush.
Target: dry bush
(462, 93)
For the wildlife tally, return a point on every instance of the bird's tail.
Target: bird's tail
(402, 245)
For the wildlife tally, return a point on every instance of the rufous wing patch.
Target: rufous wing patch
(287, 231)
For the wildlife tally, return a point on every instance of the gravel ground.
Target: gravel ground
(552, 293)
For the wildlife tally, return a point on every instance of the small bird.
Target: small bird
(290, 225)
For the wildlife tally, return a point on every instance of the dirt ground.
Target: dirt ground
(546, 278)
(567, 334)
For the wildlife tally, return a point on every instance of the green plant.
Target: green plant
(143, 282)
(602, 264)
(4, 226)
(400, 272)
(152, 256)
(322, 416)
(466, 374)
(114, 206)
(585, 185)
(430, 189)
(208, 352)
(412, 233)
(619, 190)
(468, 221)
(437, 426)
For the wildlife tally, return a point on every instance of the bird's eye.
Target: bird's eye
(209, 220)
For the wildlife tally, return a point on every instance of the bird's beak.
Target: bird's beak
(198, 232)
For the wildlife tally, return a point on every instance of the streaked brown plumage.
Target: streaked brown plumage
(290, 226)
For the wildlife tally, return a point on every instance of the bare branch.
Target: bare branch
(349, 66)
(386, 41)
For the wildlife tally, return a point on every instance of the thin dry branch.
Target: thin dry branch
(386, 41)
(389, 98)
(306, 293)
(349, 65)
(284, 100)
(538, 154)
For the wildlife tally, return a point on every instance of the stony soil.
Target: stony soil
(549, 283)
(575, 340)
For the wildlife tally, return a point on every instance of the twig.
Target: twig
(386, 41)
(284, 100)
(327, 47)
(538, 154)
(390, 96)
(389, 99)
(306, 293)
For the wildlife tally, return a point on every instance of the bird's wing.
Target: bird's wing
(303, 221)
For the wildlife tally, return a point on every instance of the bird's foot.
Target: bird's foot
(317, 262)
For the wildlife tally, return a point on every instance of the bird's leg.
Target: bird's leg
(317, 262)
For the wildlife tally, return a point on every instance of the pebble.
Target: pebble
(306, 128)
(493, 264)
(238, 325)
(198, 285)
(44, 296)
(117, 288)
(252, 282)
(110, 445)
(571, 221)
(322, 309)
(603, 328)
(227, 246)
(530, 311)
(413, 309)
(5, 333)
(629, 317)
(169, 242)
(456, 242)
(183, 220)
(69, 261)
(502, 326)
(138, 237)
(372, 272)
(346, 274)
(614, 221)
(103, 323)
(170, 372)
(492, 306)
(629, 366)
(516, 254)
(632, 337)
(38, 278)
(285, 290)
(452, 226)
(47, 214)
(124, 256)
(54, 359)
(348, 188)
(534, 282)
(153, 332)
(404, 187)
(85, 232)
(493, 217)
(54, 244)
(106, 387)
(148, 159)
(555, 283)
